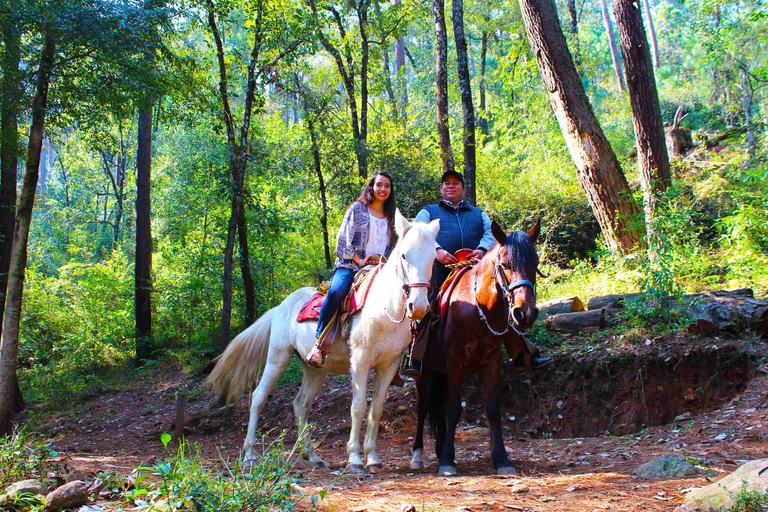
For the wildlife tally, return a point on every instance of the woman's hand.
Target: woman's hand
(359, 261)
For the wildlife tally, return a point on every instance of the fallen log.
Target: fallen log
(578, 321)
(558, 306)
(610, 301)
(714, 311)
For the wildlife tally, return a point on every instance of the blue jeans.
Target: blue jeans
(341, 282)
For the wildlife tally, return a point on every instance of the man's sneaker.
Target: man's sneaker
(536, 362)
(397, 380)
(412, 370)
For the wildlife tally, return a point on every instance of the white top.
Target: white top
(378, 236)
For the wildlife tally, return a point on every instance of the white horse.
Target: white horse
(377, 338)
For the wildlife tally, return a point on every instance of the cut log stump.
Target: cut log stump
(562, 305)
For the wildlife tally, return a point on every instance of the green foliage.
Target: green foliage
(745, 230)
(77, 323)
(187, 482)
(24, 456)
(74, 326)
(749, 501)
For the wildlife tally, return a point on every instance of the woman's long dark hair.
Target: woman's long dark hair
(390, 205)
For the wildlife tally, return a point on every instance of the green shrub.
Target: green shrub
(749, 501)
(187, 482)
(23, 456)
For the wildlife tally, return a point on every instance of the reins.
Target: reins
(500, 277)
(407, 286)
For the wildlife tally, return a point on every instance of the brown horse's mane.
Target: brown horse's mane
(522, 253)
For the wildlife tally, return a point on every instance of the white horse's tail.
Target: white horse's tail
(242, 360)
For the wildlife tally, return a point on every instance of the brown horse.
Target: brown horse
(496, 298)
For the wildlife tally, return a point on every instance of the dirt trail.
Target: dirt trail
(725, 392)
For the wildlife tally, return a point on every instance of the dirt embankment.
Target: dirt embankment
(575, 430)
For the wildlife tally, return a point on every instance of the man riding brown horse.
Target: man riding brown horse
(462, 226)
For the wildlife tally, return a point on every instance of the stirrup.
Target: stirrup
(316, 358)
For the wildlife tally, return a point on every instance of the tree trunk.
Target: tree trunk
(652, 154)
(598, 169)
(347, 74)
(321, 182)
(385, 63)
(747, 88)
(238, 155)
(402, 84)
(245, 268)
(467, 109)
(573, 28)
(441, 86)
(362, 16)
(612, 45)
(482, 118)
(9, 147)
(9, 163)
(9, 345)
(143, 270)
(652, 33)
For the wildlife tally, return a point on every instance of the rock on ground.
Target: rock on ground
(666, 466)
(69, 495)
(719, 495)
(30, 486)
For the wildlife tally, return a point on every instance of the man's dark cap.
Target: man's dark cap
(455, 174)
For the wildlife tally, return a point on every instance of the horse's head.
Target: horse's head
(415, 256)
(516, 265)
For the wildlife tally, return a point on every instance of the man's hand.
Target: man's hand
(445, 257)
(477, 254)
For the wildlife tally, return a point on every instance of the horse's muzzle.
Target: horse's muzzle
(416, 310)
(524, 317)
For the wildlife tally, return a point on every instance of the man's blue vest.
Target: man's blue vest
(459, 229)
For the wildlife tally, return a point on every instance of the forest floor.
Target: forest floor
(575, 431)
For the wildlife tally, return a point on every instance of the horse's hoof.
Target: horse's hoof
(247, 465)
(356, 469)
(447, 471)
(506, 471)
(417, 464)
(375, 468)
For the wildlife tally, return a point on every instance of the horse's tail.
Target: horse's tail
(242, 360)
(438, 387)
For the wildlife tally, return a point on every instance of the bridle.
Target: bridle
(500, 277)
(407, 287)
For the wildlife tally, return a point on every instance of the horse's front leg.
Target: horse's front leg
(311, 385)
(501, 462)
(422, 408)
(380, 385)
(453, 415)
(358, 368)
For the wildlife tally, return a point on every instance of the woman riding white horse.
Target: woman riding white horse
(367, 231)
(377, 338)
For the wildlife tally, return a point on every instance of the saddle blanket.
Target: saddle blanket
(447, 289)
(354, 301)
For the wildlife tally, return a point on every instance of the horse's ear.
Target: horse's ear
(534, 232)
(498, 233)
(401, 224)
(434, 226)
